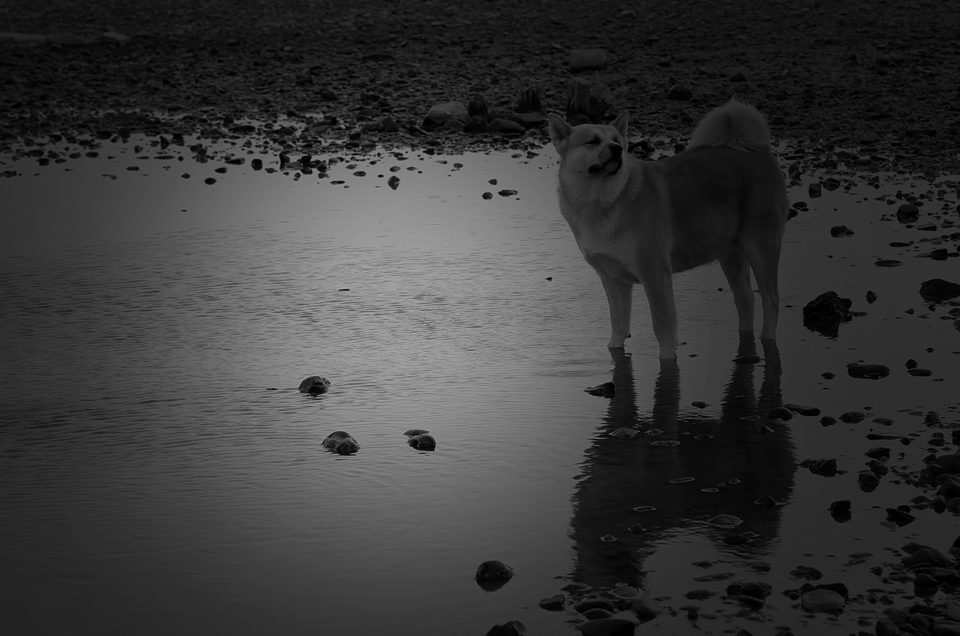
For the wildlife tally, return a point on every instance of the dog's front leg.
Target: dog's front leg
(663, 312)
(620, 299)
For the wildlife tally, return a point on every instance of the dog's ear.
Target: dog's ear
(620, 123)
(559, 131)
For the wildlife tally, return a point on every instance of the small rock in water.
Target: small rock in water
(822, 600)
(806, 572)
(825, 467)
(553, 603)
(492, 575)
(314, 385)
(646, 609)
(840, 231)
(852, 417)
(725, 521)
(868, 480)
(423, 442)
(803, 410)
(840, 510)
(824, 313)
(908, 213)
(510, 628)
(341, 442)
(607, 627)
(937, 290)
(900, 517)
(867, 371)
(607, 389)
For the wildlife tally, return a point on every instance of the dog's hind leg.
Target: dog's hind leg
(763, 254)
(620, 299)
(737, 271)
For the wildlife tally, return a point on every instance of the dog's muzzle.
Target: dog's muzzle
(612, 163)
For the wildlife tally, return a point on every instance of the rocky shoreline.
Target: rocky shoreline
(875, 80)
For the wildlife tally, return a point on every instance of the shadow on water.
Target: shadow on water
(625, 502)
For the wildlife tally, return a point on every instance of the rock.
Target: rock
(937, 290)
(868, 480)
(444, 112)
(423, 442)
(593, 602)
(780, 413)
(803, 410)
(840, 231)
(553, 603)
(947, 464)
(646, 609)
(393, 182)
(725, 521)
(825, 467)
(607, 627)
(815, 190)
(341, 442)
(587, 60)
(899, 517)
(852, 417)
(922, 556)
(871, 296)
(529, 101)
(754, 589)
(510, 628)
(878, 452)
(908, 213)
(840, 510)
(507, 192)
(492, 575)
(699, 595)
(607, 390)
(824, 313)
(314, 385)
(822, 600)
(806, 572)
(864, 370)
(505, 127)
(680, 92)
(113, 37)
(587, 101)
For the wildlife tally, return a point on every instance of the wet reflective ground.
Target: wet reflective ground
(163, 474)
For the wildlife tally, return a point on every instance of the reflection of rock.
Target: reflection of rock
(314, 385)
(824, 313)
(341, 442)
(937, 290)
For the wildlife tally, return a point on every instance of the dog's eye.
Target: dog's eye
(593, 141)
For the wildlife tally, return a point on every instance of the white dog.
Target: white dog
(723, 199)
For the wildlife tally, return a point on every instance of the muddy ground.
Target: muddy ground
(877, 78)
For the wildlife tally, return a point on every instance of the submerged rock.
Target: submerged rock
(868, 371)
(341, 442)
(822, 600)
(314, 385)
(423, 442)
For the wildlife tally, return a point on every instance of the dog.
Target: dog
(637, 222)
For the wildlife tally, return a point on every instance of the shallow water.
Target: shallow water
(163, 474)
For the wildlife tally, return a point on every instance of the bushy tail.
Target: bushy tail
(736, 125)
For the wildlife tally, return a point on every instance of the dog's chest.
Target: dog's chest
(610, 252)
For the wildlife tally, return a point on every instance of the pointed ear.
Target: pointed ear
(559, 131)
(620, 123)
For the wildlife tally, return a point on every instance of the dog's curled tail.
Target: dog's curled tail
(736, 124)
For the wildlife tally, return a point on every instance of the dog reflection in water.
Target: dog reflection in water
(625, 502)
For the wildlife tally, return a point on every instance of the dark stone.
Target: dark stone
(868, 480)
(908, 213)
(680, 92)
(510, 628)
(423, 442)
(607, 627)
(393, 182)
(899, 517)
(825, 467)
(806, 572)
(314, 385)
(824, 313)
(553, 603)
(822, 600)
(593, 602)
(852, 417)
(871, 296)
(341, 442)
(647, 609)
(947, 464)
(864, 370)
(937, 290)
(840, 510)
(840, 230)
(803, 410)
(587, 59)
(492, 575)
(607, 390)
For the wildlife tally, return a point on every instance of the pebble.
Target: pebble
(593, 602)
(646, 609)
(825, 467)
(341, 442)
(852, 417)
(423, 442)
(937, 290)
(492, 575)
(840, 510)
(908, 213)
(607, 627)
(553, 603)
(314, 385)
(806, 572)
(868, 480)
(510, 628)
(822, 600)
(840, 231)
(868, 371)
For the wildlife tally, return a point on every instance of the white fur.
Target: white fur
(736, 124)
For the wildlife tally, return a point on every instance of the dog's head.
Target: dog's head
(591, 150)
